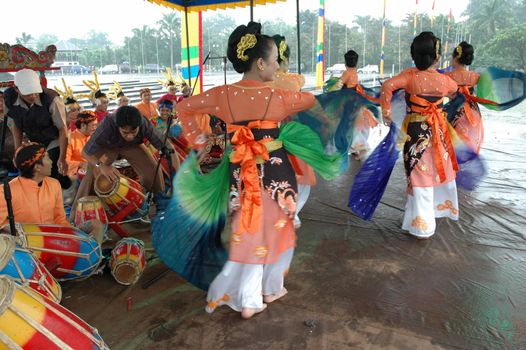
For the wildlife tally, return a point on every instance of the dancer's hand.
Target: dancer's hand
(386, 114)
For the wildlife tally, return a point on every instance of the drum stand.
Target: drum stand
(4, 176)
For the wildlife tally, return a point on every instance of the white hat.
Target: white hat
(28, 82)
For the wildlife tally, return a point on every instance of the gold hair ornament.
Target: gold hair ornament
(115, 91)
(93, 85)
(67, 94)
(247, 41)
(459, 50)
(282, 49)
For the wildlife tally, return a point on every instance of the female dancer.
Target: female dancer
(429, 159)
(467, 120)
(263, 187)
(294, 82)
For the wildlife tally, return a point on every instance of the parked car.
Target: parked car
(79, 70)
(125, 67)
(152, 68)
(336, 69)
(369, 69)
(109, 69)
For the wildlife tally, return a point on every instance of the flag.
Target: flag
(320, 68)
(192, 50)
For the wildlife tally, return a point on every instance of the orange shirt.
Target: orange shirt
(74, 157)
(428, 82)
(464, 77)
(349, 78)
(34, 204)
(148, 110)
(247, 100)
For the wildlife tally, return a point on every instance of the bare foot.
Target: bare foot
(247, 313)
(270, 298)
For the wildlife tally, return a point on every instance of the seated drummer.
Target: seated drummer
(86, 124)
(122, 133)
(37, 197)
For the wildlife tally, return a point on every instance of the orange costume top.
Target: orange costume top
(467, 120)
(349, 78)
(74, 157)
(262, 227)
(33, 203)
(424, 91)
(148, 110)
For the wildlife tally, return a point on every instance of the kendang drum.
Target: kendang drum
(67, 252)
(125, 168)
(127, 261)
(31, 321)
(124, 197)
(24, 268)
(90, 208)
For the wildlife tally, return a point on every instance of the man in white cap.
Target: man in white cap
(40, 114)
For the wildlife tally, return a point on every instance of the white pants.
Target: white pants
(428, 203)
(303, 195)
(244, 285)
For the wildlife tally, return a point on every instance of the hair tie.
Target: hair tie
(247, 41)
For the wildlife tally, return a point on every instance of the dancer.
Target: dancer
(261, 192)
(305, 175)
(429, 158)
(98, 98)
(467, 121)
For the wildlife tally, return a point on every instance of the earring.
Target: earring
(261, 68)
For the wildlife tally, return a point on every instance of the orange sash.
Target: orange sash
(361, 91)
(470, 98)
(246, 151)
(437, 121)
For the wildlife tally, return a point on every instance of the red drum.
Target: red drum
(89, 208)
(31, 321)
(66, 252)
(124, 197)
(25, 269)
(127, 261)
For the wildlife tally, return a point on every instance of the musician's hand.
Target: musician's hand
(110, 172)
(62, 167)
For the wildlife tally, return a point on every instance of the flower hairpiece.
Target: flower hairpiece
(247, 41)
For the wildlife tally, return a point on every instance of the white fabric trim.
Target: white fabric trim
(428, 203)
(245, 284)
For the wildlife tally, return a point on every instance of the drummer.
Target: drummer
(86, 124)
(37, 197)
(122, 134)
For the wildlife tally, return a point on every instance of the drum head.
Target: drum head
(103, 186)
(126, 273)
(7, 293)
(91, 200)
(7, 247)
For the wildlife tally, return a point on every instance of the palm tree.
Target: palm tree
(170, 26)
(489, 15)
(24, 39)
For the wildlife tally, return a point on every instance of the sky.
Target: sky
(74, 18)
